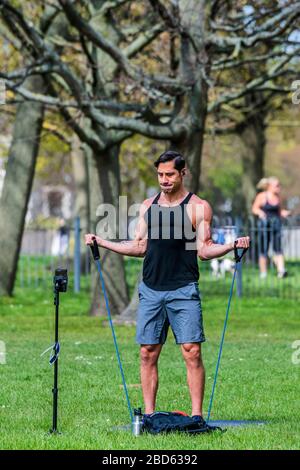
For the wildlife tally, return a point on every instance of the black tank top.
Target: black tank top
(171, 258)
(271, 210)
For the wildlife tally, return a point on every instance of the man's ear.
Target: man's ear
(183, 172)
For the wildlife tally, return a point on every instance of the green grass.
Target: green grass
(257, 379)
(252, 285)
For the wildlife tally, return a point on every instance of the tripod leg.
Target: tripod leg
(55, 385)
(55, 398)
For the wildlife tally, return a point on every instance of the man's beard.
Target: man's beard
(168, 190)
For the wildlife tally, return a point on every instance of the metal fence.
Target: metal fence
(267, 239)
(44, 250)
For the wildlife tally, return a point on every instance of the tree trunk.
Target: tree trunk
(190, 146)
(18, 183)
(80, 175)
(130, 312)
(81, 204)
(21, 164)
(192, 13)
(104, 176)
(252, 135)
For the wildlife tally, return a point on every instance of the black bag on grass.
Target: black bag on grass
(163, 421)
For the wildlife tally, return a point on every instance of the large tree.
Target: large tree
(154, 76)
(171, 102)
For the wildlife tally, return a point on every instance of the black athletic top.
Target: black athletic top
(271, 210)
(171, 257)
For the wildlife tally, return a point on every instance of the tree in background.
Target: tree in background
(110, 78)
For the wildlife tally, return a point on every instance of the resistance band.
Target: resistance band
(96, 256)
(237, 260)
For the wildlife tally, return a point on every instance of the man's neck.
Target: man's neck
(171, 198)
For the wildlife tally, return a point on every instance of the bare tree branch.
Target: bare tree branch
(57, 102)
(77, 87)
(161, 82)
(87, 30)
(54, 131)
(268, 30)
(254, 84)
(172, 130)
(230, 63)
(118, 137)
(75, 94)
(142, 41)
(111, 4)
(86, 135)
(234, 24)
(34, 69)
(167, 17)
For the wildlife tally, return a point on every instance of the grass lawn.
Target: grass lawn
(257, 379)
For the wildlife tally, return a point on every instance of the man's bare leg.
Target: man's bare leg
(195, 375)
(149, 374)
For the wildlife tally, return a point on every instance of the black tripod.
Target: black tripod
(60, 281)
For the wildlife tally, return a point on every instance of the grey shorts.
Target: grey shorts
(179, 308)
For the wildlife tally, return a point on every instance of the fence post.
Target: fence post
(77, 255)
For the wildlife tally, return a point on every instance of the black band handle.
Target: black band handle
(238, 257)
(95, 249)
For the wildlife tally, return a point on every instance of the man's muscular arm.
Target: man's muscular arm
(206, 248)
(136, 247)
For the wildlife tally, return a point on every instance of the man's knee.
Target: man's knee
(192, 354)
(149, 353)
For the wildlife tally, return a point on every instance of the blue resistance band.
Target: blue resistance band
(96, 256)
(237, 260)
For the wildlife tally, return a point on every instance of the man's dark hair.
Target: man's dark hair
(169, 155)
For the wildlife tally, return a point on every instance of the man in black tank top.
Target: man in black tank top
(172, 232)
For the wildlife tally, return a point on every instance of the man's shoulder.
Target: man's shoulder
(197, 200)
(148, 202)
(200, 209)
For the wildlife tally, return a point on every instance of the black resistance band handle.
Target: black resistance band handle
(238, 257)
(95, 249)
